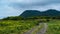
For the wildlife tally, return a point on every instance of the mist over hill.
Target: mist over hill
(50, 12)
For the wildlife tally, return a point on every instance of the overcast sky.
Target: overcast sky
(16, 7)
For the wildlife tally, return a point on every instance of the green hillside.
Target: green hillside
(50, 13)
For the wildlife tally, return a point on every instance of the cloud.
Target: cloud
(30, 4)
(6, 10)
(16, 7)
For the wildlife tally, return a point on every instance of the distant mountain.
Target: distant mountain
(50, 12)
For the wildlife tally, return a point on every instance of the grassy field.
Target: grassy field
(21, 26)
(16, 27)
(53, 27)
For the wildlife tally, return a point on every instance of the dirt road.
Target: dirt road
(41, 31)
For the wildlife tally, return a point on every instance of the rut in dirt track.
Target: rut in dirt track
(42, 31)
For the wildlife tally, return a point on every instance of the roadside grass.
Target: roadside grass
(16, 27)
(21, 26)
(53, 27)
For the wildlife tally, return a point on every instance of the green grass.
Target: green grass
(53, 27)
(21, 26)
(16, 27)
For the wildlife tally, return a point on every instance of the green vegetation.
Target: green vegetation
(53, 27)
(19, 25)
(16, 26)
(13, 18)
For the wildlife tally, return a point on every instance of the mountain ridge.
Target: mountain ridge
(31, 13)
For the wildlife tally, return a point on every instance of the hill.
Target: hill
(31, 13)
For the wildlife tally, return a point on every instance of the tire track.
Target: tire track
(43, 30)
(33, 29)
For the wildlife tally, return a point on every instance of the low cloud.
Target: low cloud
(16, 7)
